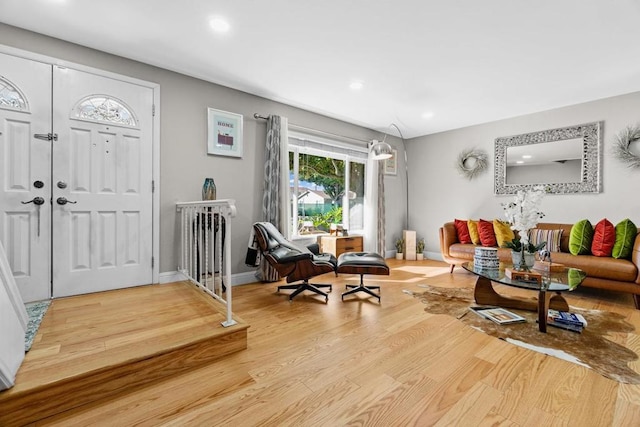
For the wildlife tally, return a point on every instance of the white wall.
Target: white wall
(438, 194)
(183, 127)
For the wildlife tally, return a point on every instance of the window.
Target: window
(104, 109)
(11, 97)
(326, 183)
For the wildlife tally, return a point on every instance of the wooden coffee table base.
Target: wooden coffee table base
(485, 294)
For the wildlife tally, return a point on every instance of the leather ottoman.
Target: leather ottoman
(362, 263)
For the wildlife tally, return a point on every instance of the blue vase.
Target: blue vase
(209, 189)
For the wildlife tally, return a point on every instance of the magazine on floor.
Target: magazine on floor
(498, 315)
(565, 317)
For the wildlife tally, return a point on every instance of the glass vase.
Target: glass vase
(522, 263)
(209, 189)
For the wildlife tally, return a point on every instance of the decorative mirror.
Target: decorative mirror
(564, 160)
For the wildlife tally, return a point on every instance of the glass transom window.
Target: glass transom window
(104, 109)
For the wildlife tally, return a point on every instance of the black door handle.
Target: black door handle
(36, 201)
(64, 201)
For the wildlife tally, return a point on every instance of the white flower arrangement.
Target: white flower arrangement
(524, 212)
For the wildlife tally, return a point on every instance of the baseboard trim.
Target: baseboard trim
(437, 256)
(170, 277)
(243, 278)
(236, 279)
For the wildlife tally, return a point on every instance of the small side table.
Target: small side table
(337, 245)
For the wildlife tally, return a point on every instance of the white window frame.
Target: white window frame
(297, 147)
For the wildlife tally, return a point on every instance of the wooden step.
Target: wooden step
(90, 347)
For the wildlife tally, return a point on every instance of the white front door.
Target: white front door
(99, 161)
(102, 235)
(25, 173)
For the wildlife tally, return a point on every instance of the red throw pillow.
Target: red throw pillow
(463, 231)
(487, 235)
(604, 237)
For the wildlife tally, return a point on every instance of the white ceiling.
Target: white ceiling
(465, 61)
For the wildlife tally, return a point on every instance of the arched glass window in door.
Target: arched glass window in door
(12, 98)
(104, 109)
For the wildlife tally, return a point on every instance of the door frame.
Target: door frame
(155, 137)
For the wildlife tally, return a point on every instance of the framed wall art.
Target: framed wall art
(224, 136)
(391, 164)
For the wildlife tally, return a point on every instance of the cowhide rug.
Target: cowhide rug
(590, 348)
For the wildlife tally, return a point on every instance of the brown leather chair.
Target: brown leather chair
(292, 261)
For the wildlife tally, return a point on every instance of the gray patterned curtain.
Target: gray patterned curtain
(276, 185)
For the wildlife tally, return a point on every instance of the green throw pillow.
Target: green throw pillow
(581, 237)
(625, 237)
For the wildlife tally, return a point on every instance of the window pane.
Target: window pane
(356, 196)
(319, 198)
(11, 97)
(103, 108)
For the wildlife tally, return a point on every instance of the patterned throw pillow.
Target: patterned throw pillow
(626, 232)
(487, 235)
(473, 231)
(604, 237)
(503, 232)
(463, 231)
(580, 238)
(552, 237)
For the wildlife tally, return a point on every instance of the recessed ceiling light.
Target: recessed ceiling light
(428, 115)
(356, 84)
(219, 24)
(526, 156)
(519, 162)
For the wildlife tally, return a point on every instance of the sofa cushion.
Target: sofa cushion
(487, 235)
(551, 237)
(473, 231)
(503, 232)
(581, 238)
(626, 232)
(462, 229)
(604, 237)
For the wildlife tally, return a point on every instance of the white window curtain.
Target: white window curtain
(275, 203)
(374, 230)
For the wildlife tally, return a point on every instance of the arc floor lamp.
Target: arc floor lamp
(382, 151)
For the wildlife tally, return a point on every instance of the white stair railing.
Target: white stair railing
(205, 248)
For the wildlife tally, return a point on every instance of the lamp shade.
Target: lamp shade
(380, 150)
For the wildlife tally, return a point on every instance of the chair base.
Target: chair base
(306, 286)
(361, 288)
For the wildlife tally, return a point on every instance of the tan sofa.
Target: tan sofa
(620, 275)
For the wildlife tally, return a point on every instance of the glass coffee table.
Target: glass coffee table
(549, 291)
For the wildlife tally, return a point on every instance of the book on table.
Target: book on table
(498, 315)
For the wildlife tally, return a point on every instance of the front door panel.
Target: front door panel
(102, 236)
(25, 173)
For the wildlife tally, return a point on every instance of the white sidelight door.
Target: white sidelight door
(25, 173)
(76, 196)
(102, 183)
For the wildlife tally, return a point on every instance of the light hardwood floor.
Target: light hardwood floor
(361, 363)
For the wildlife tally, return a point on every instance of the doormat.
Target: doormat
(35, 311)
(590, 348)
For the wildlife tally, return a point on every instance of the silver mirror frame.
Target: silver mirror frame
(591, 134)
